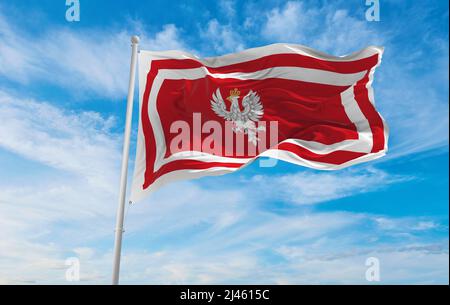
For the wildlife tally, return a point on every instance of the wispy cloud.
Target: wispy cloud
(288, 23)
(71, 194)
(191, 234)
(94, 62)
(275, 249)
(199, 235)
(306, 188)
(222, 37)
(76, 142)
(228, 7)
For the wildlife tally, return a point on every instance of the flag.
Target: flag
(212, 116)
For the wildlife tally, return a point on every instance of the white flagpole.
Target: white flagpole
(125, 154)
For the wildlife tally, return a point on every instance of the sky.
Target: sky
(63, 88)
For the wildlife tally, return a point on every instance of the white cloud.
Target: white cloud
(76, 142)
(325, 28)
(227, 7)
(59, 206)
(406, 225)
(222, 37)
(282, 252)
(343, 34)
(397, 266)
(192, 234)
(306, 187)
(167, 39)
(289, 23)
(45, 222)
(83, 62)
(416, 108)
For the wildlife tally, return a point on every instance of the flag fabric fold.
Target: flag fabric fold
(212, 116)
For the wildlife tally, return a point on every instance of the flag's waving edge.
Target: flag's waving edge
(323, 105)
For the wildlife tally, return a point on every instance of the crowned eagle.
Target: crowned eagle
(245, 120)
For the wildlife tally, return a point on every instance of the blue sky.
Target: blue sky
(62, 107)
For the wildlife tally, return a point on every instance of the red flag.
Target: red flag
(212, 116)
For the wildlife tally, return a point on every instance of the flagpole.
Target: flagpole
(124, 171)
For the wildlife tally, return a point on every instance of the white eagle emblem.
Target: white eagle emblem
(245, 120)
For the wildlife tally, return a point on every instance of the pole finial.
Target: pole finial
(134, 39)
